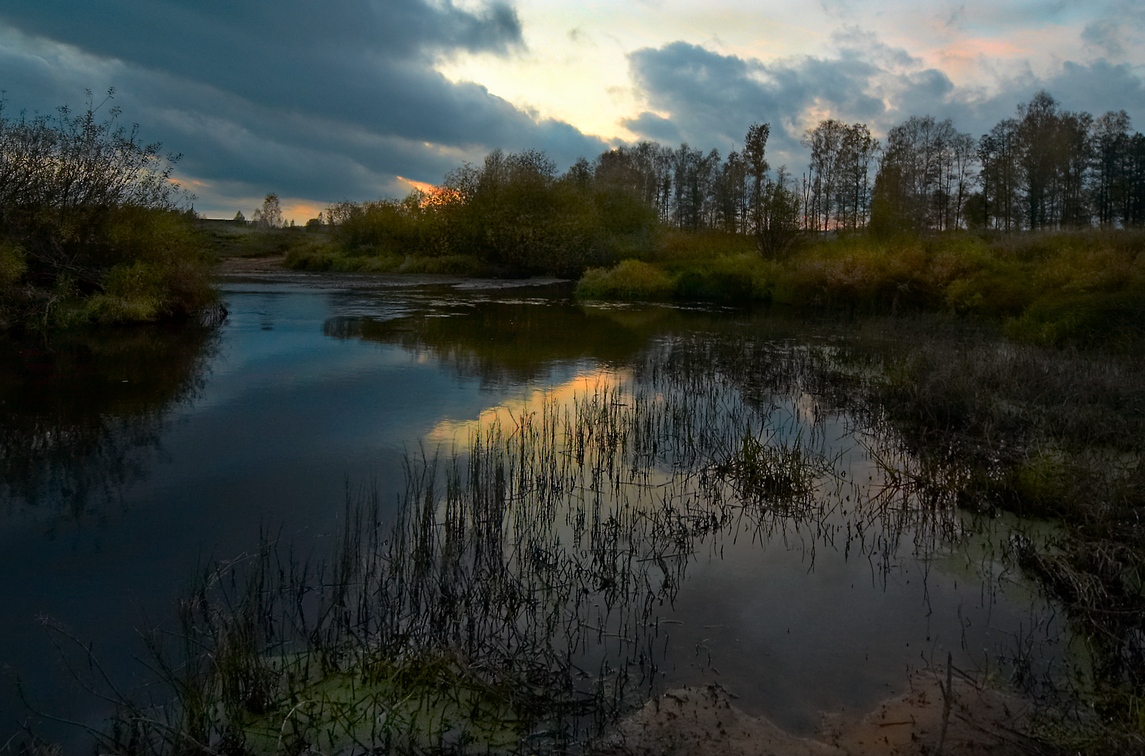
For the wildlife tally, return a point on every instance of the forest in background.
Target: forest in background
(93, 229)
(1045, 168)
(1036, 224)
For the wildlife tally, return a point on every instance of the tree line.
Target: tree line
(1045, 168)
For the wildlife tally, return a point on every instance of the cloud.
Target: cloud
(710, 99)
(1117, 31)
(322, 101)
(654, 127)
(1106, 36)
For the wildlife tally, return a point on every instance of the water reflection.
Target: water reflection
(518, 340)
(455, 434)
(802, 555)
(83, 415)
(794, 500)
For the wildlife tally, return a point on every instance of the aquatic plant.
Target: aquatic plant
(1053, 435)
(513, 603)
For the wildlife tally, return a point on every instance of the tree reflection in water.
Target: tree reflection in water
(82, 414)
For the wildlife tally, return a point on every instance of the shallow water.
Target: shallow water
(128, 463)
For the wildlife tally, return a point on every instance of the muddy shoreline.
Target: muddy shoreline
(925, 719)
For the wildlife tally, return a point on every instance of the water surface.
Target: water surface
(130, 461)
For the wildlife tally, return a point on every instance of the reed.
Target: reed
(511, 603)
(1052, 435)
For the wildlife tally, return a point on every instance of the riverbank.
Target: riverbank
(228, 266)
(927, 718)
(1053, 288)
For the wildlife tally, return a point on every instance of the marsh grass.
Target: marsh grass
(511, 601)
(512, 604)
(1054, 435)
(631, 280)
(1057, 289)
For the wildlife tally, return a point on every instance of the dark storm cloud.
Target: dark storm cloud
(1094, 87)
(652, 126)
(319, 100)
(711, 99)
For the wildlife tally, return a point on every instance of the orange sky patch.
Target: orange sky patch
(966, 60)
(419, 185)
(300, 212)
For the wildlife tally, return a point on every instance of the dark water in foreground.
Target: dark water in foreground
(130, 461)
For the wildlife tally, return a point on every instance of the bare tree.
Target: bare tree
(925, 175)
(826, 143)
(1110, 147)
(63, 178)
(270, 214)
(754, 148)
(998, 159)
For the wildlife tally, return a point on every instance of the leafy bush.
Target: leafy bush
(857, 272)
(313, 255)
(513, 215)
(91, 225)
(1081, 318)
(677, 249)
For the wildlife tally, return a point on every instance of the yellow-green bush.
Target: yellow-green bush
(1062, 317)
(629, 280)
(707, 265)
(12, 264)
(857, 272)
(737, 278)
(140, 291)
(314, 255)
(680, 247)
(141, 265)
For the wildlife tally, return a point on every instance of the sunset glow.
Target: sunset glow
(421, 186)
(383, 101)
(456, 433)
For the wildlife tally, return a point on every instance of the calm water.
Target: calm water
(129, 462)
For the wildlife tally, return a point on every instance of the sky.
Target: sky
(320, 102)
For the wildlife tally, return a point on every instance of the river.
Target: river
(132, 461)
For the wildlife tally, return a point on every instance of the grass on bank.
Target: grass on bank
(1046, 433)
(1047, 288)
(1042, 287)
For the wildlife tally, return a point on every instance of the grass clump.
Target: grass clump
(313, 255)
(323, 257)
(1050, 288)
(1054, 289)
(853, 273)
(631, 280)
